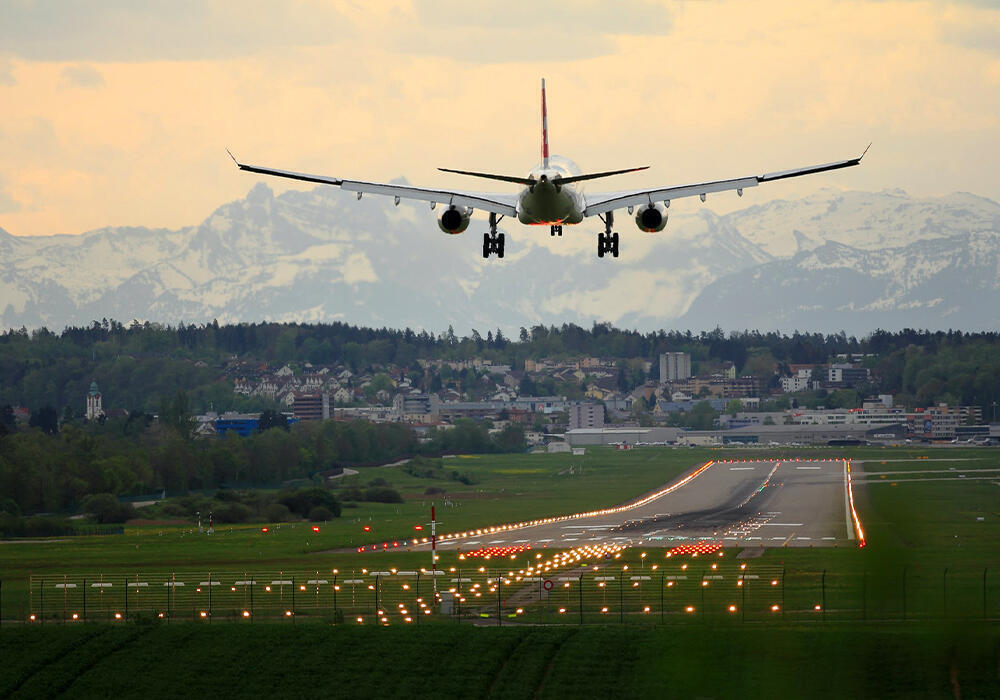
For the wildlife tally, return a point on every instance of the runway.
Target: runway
(782, 503)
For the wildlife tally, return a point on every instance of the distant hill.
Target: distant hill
(835, 260)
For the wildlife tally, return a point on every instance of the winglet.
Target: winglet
(238, 164)
(865, 151)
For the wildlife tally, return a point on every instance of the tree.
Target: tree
(271, 419)
(733, 407)
(45, 418)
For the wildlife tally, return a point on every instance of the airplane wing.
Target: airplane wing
(487, 201)
(609, 201)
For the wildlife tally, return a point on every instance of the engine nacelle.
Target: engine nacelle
(651, 218)
(454, 219)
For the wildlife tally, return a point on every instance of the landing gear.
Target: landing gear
(607, 242)
(493, 241)
(556, 231)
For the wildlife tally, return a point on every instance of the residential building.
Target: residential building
(416, 406)
(583, 414)
(674, 366)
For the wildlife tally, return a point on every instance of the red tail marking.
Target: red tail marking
(545, 130)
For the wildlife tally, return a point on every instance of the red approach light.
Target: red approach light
(315, 528)
(367, 528)
(395, 544)
(418, 528)
(695, 549)
(263, 529)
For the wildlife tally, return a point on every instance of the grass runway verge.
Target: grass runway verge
(274, 661)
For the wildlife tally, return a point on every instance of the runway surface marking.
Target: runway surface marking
(808, 467)
(741, 469)
(847, 506)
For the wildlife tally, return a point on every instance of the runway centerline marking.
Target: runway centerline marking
(808, 467)
(740, 469)
(785, 524)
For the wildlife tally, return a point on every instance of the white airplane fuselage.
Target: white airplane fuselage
(547, 203)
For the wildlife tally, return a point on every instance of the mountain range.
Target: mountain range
(852, 261)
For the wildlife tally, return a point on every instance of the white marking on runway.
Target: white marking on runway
(498, 541)
(808, 467)
(740, 469)
(569, 539)
(803, 538)
(785, 524)
(829, 538)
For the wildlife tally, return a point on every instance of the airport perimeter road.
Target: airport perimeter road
(770, 503)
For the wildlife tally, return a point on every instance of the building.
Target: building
(95, 407)
(311, 406)
(243, 424)
(674, 366)
(583, 414)
(846, 376)
(617, 436)
(416, 406)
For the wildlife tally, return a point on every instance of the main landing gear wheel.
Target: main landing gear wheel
(493, 241)
(607, 243)
(556, 231)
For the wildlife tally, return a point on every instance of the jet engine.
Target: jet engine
(454, 219)
(651, 218)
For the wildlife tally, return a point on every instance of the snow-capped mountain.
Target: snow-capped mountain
(835, 260)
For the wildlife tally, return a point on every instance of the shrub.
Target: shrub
(106, 509)
(320, 514)
(378, 481)
(383, 494)
(431, 490)
(232, 513)
(277, 513)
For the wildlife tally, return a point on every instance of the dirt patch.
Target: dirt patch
(144, 521)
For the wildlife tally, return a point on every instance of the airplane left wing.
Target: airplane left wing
(603, 203)
(487, 201)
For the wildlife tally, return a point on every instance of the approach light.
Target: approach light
(315, 528)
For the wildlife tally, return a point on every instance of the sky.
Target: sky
(118, 113)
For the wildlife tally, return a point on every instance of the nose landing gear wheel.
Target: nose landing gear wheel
(555, 231)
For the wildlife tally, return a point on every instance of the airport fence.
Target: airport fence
(696, 591)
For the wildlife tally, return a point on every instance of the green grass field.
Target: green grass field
(906, 616)
(153, 661)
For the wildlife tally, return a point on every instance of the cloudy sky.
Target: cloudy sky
(117, 112)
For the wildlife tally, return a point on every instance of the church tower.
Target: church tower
(95, 409)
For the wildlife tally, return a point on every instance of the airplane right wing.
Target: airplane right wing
(603, 203)
(487, 201)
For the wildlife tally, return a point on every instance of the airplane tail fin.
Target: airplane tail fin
(545, 130)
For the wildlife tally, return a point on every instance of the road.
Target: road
(793, 503)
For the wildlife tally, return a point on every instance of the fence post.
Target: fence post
(209, 597)
(581, 598)
(293, 600)
(499, 593)
(783, 591)
(662, 574)
(41, 600)
(376, 595)
(743, 594)
(984, 592)
(904, 593)
(823, 595)
(335, 595)
(864, 594)
(84, 600)
(252, 611)
(125, 583)
(621, 596)
(944, 593)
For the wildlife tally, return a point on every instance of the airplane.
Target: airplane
(549, 196)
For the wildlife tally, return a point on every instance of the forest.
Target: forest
(144, 365)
